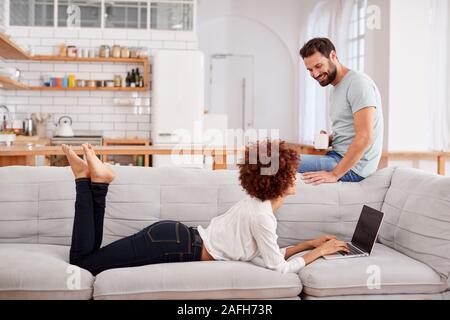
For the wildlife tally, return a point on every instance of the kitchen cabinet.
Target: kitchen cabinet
(24, 160)
(128, 142)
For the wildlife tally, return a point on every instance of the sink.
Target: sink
(7, 138)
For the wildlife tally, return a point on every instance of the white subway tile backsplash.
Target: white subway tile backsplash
(18, 31)
(42, 32)
(90, 117)
(68, 34)
(123, 110)
(66, 101)
(138, 118)
(151, 44)
(114, 34)
(163, 35)
(102, 126)
(26, 42)
(114, 134)
(47, 67)
(66, 67)
(81, 126)
(44, 50)
(186, 36)
(192, 45)
(41, 100)
(28, 109)
(30, 75)
(53, 109)
(89, 101)
(77, 109)
(90, 67)
(114, 118)
(174, 45)
(54, 93)
(102, 109)
(144, 127)
(125, 126)
(139, 35)
(89, 33)
(17, 100)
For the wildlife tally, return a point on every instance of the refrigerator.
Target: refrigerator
(177, 105)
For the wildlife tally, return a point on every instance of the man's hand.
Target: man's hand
(320, 241)
(317, 178)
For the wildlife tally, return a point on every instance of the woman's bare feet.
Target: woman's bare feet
(100, 172)
(79, 166)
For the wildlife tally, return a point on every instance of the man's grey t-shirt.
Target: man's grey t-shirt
(353, 93)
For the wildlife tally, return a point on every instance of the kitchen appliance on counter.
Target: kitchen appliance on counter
(95, 138)
(64, 127)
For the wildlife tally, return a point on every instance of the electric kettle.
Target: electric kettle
(64, 127)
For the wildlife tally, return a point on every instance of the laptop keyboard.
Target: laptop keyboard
(353, 251)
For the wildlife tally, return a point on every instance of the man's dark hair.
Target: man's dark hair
(322, 45)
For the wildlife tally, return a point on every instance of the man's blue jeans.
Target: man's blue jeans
(328, 162)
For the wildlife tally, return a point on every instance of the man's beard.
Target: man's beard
(330, 76)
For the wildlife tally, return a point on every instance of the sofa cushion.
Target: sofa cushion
(417, 218)
(196, 280)
(395, 272)
(35, 271)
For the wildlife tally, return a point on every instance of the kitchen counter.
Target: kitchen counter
(219, 154)
(22, 142)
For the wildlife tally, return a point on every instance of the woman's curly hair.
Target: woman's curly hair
(268, 169)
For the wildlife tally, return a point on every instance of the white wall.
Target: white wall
(92, 110)
(377, 59)
(270, 31)
(409, 36)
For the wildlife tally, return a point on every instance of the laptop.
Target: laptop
(364, 237)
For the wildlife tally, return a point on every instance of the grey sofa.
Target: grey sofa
(411, 260)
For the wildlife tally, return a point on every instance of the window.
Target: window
(357, 33)
(175, 15)
(126, 14)
(32, 13)
(89, 13)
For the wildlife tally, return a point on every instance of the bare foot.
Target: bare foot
(79, 166)
(100, 172)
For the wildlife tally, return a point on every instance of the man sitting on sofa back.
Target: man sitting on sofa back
(356, 115)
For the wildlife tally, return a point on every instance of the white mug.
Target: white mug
(322, 141)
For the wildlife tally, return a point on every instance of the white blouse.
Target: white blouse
(247, 232)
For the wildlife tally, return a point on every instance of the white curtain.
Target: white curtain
(330, 19)
(439, 86)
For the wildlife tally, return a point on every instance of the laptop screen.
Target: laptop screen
(367, 229)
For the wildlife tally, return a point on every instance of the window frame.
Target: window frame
(102, 27)
(359, 41)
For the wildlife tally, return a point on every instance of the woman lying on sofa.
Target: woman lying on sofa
(246, 232)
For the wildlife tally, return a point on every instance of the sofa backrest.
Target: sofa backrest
(417, 218)
(37, 204)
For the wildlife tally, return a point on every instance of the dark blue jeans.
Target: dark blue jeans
(162, 242)
(328, 162)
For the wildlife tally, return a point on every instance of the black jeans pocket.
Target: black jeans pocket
(164, 231)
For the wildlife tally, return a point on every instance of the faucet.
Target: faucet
(8, 113)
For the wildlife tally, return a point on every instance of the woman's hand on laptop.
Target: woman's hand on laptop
(333, 246)
(320, 241)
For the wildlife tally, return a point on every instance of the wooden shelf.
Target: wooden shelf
(9, 50)
(76, 59)
(127, 89)
(10, 84)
